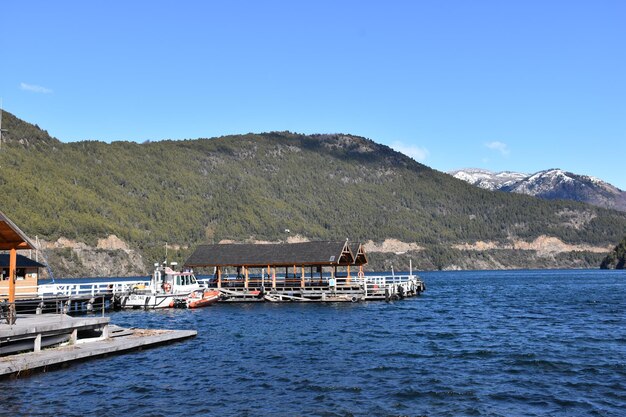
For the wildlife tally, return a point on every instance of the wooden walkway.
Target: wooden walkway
(29, 332)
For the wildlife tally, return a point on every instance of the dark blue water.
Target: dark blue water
(476, 343)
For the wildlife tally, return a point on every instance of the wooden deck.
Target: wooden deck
(76, 339)
(354, 290)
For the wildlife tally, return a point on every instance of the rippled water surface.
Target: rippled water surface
(476, 343)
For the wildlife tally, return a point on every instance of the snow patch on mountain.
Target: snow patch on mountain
(487, 179)
(551, 184)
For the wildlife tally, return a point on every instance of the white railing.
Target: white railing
(381, 281)
(386, 285)
(74, 289)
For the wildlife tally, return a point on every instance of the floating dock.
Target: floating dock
(74, 339)
(298, 272)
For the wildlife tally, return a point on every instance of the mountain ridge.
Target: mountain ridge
(253, 187)
(550, 184)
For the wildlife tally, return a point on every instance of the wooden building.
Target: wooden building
(303, 272)
(12, 239)
(26, 274)
(282, 264)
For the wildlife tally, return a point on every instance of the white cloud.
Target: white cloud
(35, 88)
(499, 146)
(415, 152)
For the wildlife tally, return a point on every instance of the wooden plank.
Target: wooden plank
(32, 324)
(17, 365)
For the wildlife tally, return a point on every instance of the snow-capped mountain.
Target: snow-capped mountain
(551, 184)
(487, 179)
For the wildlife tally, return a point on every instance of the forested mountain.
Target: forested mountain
(550, 184)
(255, 186)
(616, 259)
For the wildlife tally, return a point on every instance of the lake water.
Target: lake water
(495, 343)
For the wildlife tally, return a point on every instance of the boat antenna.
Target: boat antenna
(166, 253)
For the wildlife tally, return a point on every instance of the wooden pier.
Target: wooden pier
(298, 272)
(75, 339)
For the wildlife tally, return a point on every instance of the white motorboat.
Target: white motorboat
(167, 288)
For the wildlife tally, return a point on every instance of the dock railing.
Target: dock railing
(66, 297)
(386, 285)
(373, 286)
(75, 289)
(94, 289)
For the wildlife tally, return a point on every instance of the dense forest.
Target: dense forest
(257, 186)
(616, 259)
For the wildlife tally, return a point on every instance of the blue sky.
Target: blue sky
(502, 85)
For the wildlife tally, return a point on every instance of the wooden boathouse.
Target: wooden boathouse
(12, 239)
(298, 264)
(19, 281)
(308, 271)
(26, 275)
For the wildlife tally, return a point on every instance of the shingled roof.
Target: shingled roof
(22, 262)
(280, 254)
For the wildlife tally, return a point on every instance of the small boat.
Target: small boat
(167, 288)
(202, 298)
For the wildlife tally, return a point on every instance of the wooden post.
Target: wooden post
(302, 278)
(245, 284)
(348, 280)
(219, 277)
(105, 332)
(37, 344)
(12, 265)
(274, 278)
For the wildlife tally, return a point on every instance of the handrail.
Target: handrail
(74, 289)
(372, 282)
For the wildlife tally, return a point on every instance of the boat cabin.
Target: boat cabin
(167, 280)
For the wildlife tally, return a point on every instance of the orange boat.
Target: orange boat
(202, 298)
